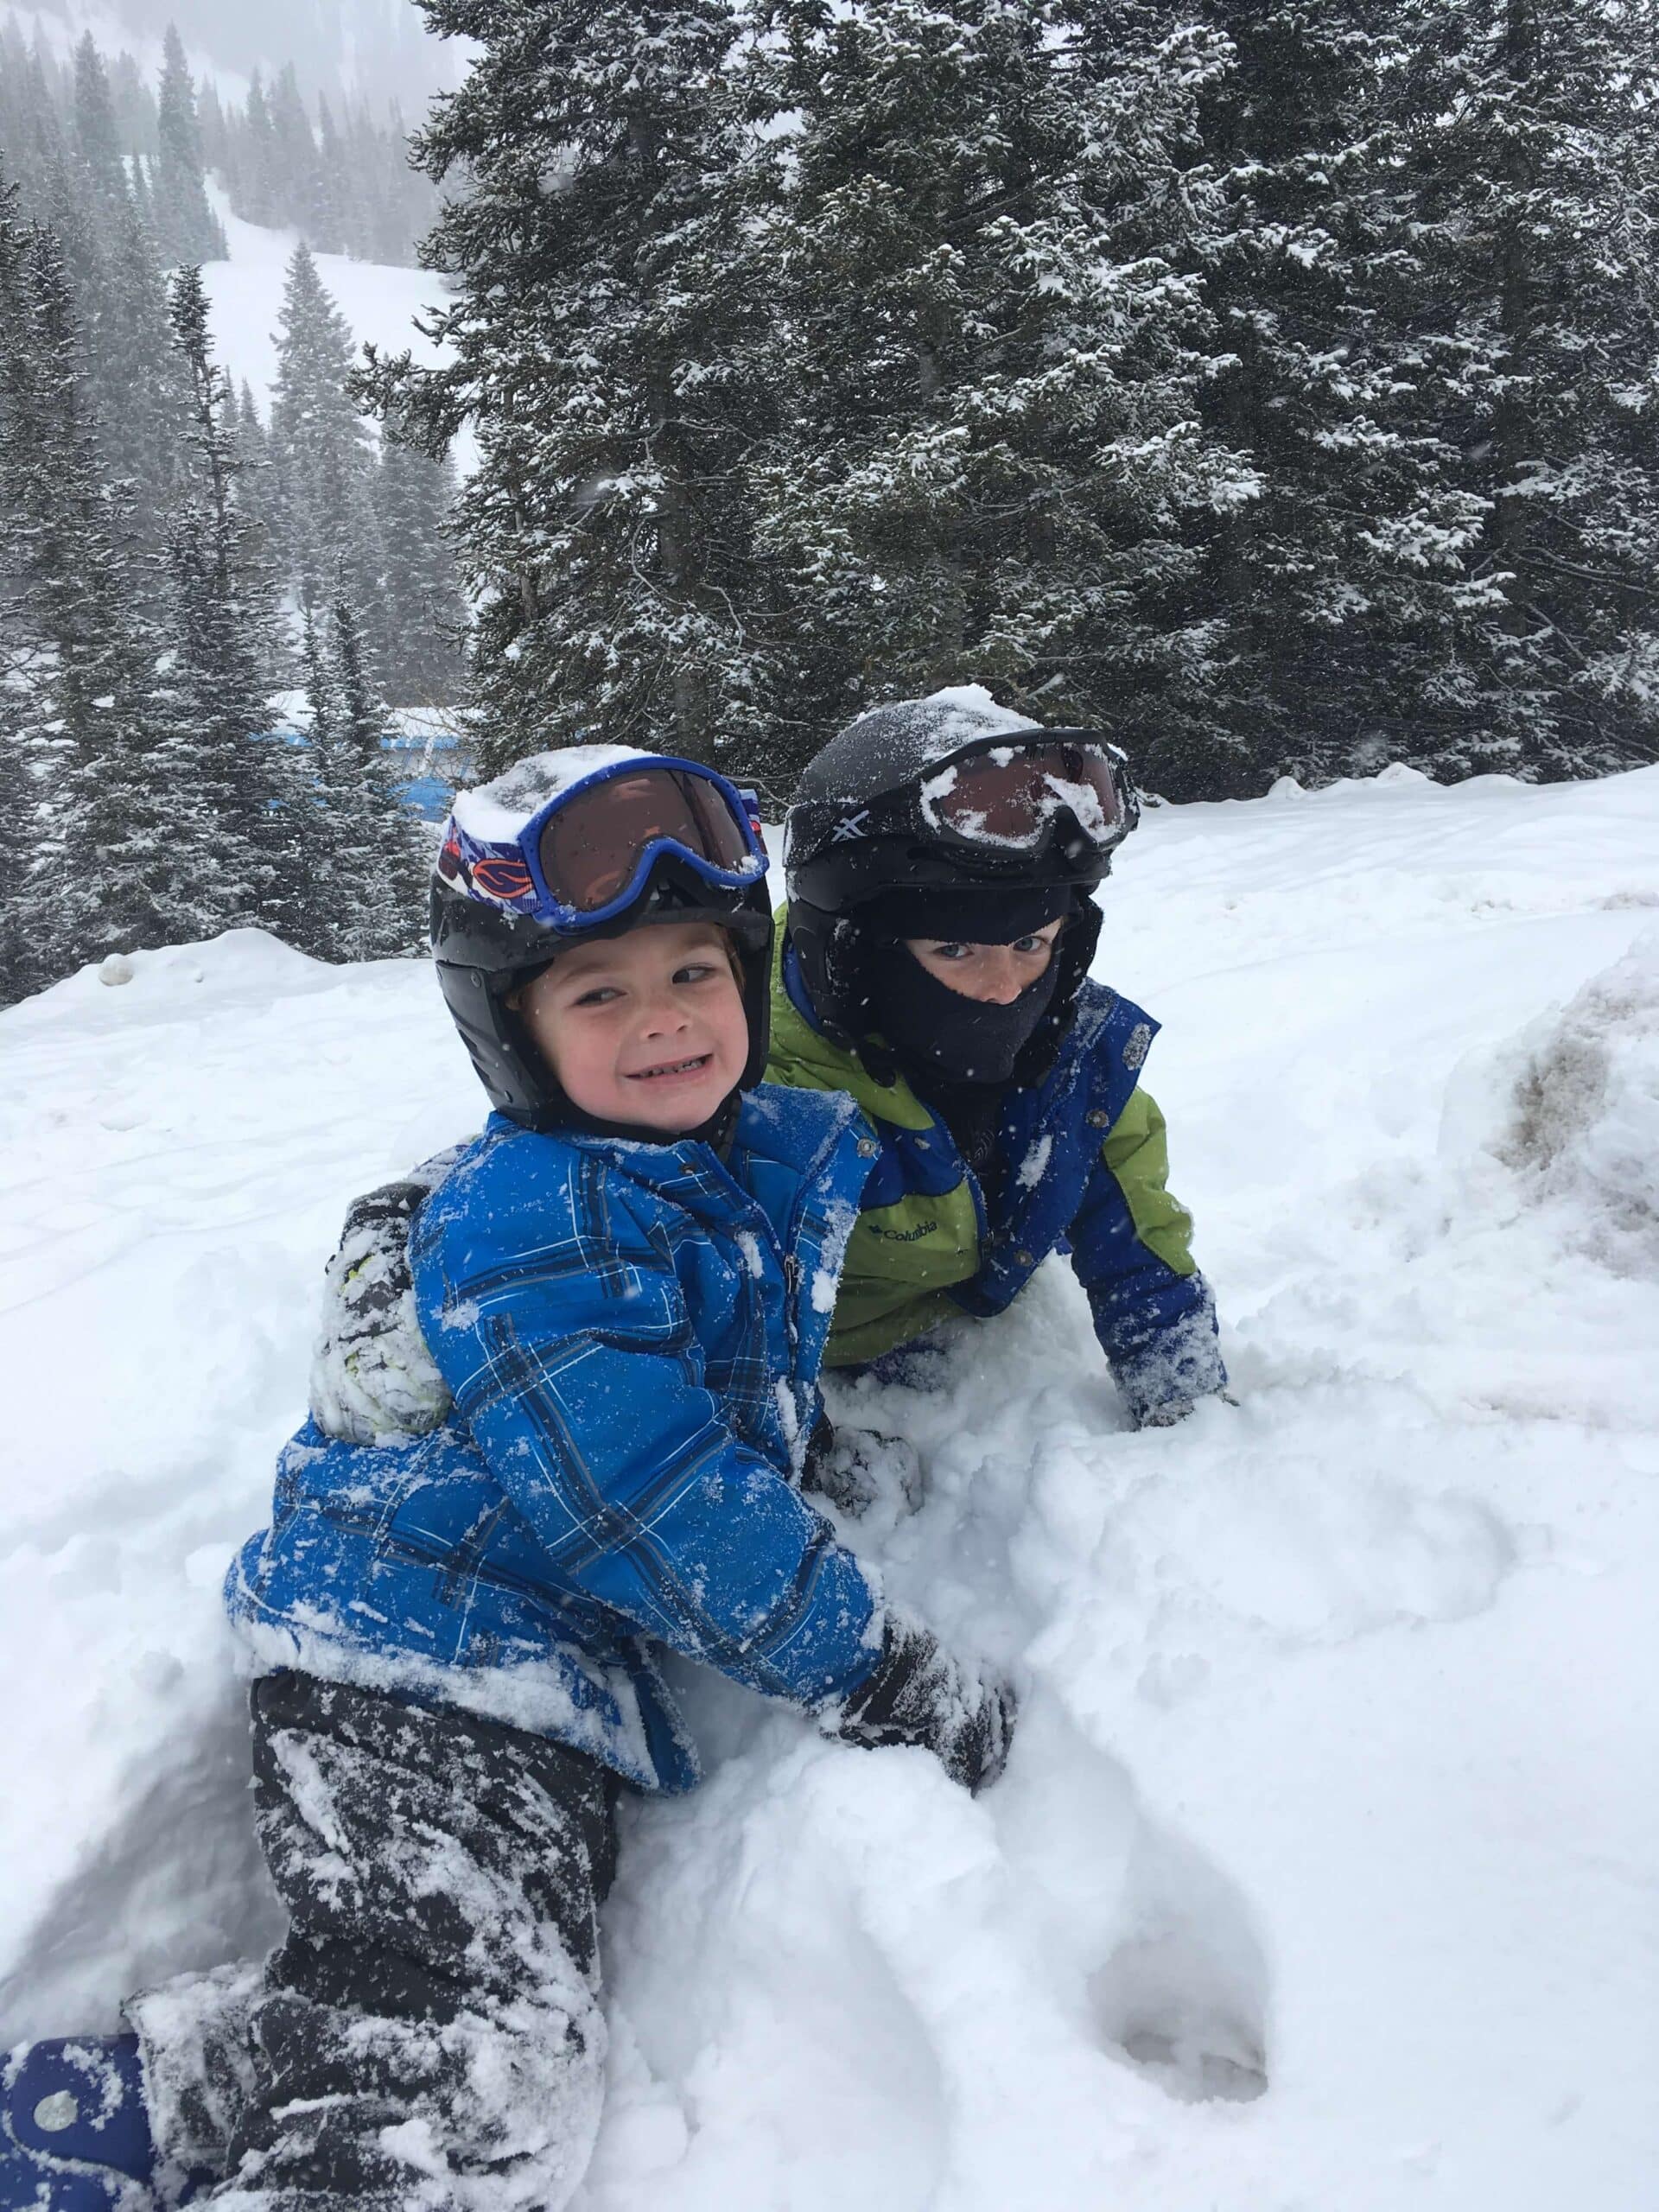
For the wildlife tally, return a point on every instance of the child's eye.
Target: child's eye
(950, 952)
(600, 995)
(695, 972)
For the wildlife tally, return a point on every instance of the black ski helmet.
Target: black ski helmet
(485, 948)
(867, 821)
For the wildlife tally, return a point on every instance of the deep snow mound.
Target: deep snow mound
(1320, 1873)
(1586, 1126)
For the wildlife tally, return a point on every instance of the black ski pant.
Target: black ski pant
(429, 2035)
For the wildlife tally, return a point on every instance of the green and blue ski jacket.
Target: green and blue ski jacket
(1086, 1161)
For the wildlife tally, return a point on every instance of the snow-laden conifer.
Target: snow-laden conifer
(604, 329)
(100, 868)
(415, 499)
(362, 865)
(1339, 587)
(227, 778)
(187, 229)
(322, 457)
(993, 351)
(1531, 232)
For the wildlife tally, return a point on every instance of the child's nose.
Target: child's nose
(999, 979)
(663, 1013)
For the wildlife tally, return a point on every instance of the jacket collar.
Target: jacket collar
(800, 1130)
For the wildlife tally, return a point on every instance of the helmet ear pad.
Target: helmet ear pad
(832, 950)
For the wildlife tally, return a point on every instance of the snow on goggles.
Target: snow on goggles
(585, 856)
(1012, 796)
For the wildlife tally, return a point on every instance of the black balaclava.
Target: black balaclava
(939, 1036)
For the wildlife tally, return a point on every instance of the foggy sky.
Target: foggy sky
(377, 48)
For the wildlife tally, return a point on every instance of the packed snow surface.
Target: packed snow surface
(1322, 1876)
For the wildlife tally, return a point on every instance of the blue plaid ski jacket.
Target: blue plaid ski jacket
(632, 1334)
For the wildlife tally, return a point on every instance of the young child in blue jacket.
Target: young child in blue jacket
(624, 1284)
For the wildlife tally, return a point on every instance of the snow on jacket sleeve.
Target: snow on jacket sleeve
(1131, 1242)
(575, 1365)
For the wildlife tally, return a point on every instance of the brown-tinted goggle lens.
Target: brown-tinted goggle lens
(1013, 801)
(592, 845)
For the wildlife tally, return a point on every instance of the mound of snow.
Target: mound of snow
(1585, 1131)
(169, 980)
(1318, 1878)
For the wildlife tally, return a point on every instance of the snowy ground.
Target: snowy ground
(1338, 1771)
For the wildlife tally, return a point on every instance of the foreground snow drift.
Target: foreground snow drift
(1321, 1876)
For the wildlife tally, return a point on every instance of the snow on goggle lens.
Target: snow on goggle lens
(592, 845)
(1010, 796)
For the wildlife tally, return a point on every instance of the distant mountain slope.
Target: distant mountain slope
(380, 303)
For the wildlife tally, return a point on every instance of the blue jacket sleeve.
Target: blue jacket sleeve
(582, 1382)
(1155, 1314)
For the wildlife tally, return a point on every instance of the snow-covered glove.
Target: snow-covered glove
(1166, 1416)
(1162, 1373)
(919, 1694)
(372, 1375)
(853, 1467)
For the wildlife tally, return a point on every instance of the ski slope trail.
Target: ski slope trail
(1321, 1876)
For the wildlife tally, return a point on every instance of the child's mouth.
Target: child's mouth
(672, 1071)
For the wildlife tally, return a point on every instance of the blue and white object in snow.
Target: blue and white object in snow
(75, 2127)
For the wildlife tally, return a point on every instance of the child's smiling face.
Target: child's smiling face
(646, 1029)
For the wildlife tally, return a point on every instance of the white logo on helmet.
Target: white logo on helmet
(851, 826)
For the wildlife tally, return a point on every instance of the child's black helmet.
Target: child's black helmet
(952, 791)
(953, 788)
(590, 841)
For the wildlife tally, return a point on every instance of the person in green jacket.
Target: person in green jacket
(942, 858)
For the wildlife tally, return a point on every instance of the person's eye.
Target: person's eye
(695, 972)
(951, 953)
(601, 995)
(1032, 944)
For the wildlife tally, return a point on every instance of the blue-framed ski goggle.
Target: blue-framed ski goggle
(585, 856)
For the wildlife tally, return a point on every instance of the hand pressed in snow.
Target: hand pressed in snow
(852, 1469)
(919, 1695)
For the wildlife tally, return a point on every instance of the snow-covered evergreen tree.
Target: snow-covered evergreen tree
(257, 488)
(603, 332)
(97, 141)
(186, 228)
(322, 457)
(1335, 588)
(363, 865)
(387, 916)
(141, 394)
(416, 498)
(257, 176)
(1531, 232)
(101, 864)
(226, 778)
(992, 467)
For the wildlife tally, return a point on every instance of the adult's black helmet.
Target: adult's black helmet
(590, 841)
(955, 793)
